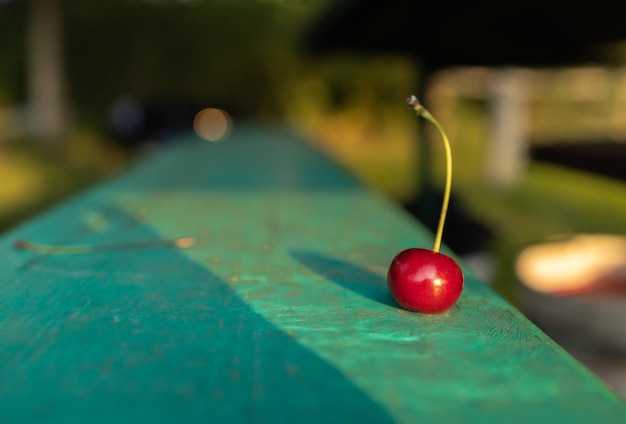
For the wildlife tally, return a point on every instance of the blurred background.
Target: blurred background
(537, 118)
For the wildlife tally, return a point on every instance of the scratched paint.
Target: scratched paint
(155, 338)
(483, 353)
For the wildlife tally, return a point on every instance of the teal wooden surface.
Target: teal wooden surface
(280, 313)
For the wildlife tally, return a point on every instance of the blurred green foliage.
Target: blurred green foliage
(238, 52)
(224, 52)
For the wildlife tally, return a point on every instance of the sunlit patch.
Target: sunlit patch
(437, 282)
(212, 124)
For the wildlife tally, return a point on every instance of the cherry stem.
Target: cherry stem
(420, 110)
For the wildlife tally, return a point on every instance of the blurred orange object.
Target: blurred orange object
(582, 264)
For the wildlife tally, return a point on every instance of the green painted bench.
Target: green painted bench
(278, 314)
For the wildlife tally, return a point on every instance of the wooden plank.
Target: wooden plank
(279, 314)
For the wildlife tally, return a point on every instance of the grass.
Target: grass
(548, 201)
(33, 179)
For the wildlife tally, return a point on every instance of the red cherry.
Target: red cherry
(425, 281)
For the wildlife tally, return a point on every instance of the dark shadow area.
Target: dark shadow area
(605, 158)
(464, 233)
(152, 336)
(135, 122)
(478, 33)
(352, 277)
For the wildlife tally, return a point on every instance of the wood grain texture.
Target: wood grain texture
(280, 313)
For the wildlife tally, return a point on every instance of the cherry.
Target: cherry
(425, 281)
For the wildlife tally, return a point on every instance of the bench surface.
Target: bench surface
(280, 313)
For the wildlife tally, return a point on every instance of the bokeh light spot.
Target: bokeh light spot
(212, 124)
